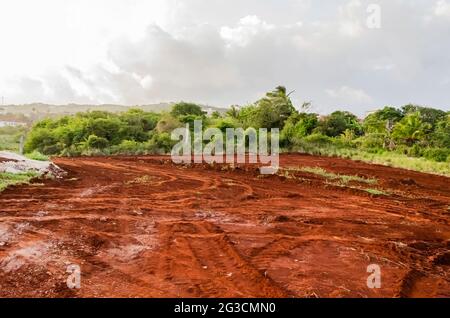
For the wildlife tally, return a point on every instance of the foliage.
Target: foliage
(428, 115)
(338, 122)
(413, 136)
(36, 155)
(441, 136)
(10, 137)
(183, 109)
(92, 130)
(379, 121)
(7, 179)
(411, 129)
(298, 125)
(270, 111)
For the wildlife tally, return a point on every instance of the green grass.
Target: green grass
(7, 179)
(36, 155)
(375, 191)
(9, 138)
(372, 191)
(343, 179)
(337, 180)
(9, 142)
(390, 159)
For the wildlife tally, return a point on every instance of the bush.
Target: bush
(129, 147)
(183, 109)
(437, 154)
(41, 139)
(370, 141)
(160, 143)
(224, 123)
(167, 124)
(418, 131)
(96, 142)
(318, 139)
(36, 155)
(338, 122)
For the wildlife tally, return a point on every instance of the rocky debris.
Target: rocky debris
(15, 163)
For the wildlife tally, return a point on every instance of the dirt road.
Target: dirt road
(144, 227)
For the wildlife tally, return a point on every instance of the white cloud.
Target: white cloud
(247, 28)
(223, 52)
(442, 8)
(347, 94)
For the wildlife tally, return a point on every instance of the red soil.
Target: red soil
(6, 160)
(144, 227)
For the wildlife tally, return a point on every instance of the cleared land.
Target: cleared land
(144, 227)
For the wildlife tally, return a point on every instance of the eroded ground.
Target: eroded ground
(144, 227)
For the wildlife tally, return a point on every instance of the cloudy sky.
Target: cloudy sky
(224, 52)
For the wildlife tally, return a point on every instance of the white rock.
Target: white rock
(15, 163)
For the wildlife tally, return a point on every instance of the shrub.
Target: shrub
(96, 142)
(318, 139)
(183, 109)
(167, 123)
(129, 147)
(370, 141)
(36, 155)
(436, 154)
(336, 123)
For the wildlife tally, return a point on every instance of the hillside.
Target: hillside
(37, 111)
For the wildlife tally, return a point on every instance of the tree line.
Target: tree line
(413, 130)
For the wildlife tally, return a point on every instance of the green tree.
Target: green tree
(233, 112)
(224, 123)
(96, 142)
(167, 123)
(182, 109)
(379, 120)
(441, 136)
(271, 111)
(338, 122)
(42, 139)
(216, 115)
(108, 128)
(428, 115)
(411, 129)
(298, 125)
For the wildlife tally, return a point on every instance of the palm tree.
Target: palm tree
(411, 129)
(277, 106)
(233, 112)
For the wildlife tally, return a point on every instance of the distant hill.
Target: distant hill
(36, 111)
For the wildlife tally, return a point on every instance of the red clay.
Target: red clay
(144, 227)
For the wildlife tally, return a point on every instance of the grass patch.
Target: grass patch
(375, 192)
(7, 179)
(386, 158)
(36, 155)
(342, 178)
(141, 180)
(368, 190)
(9, 143)
(9, 138)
